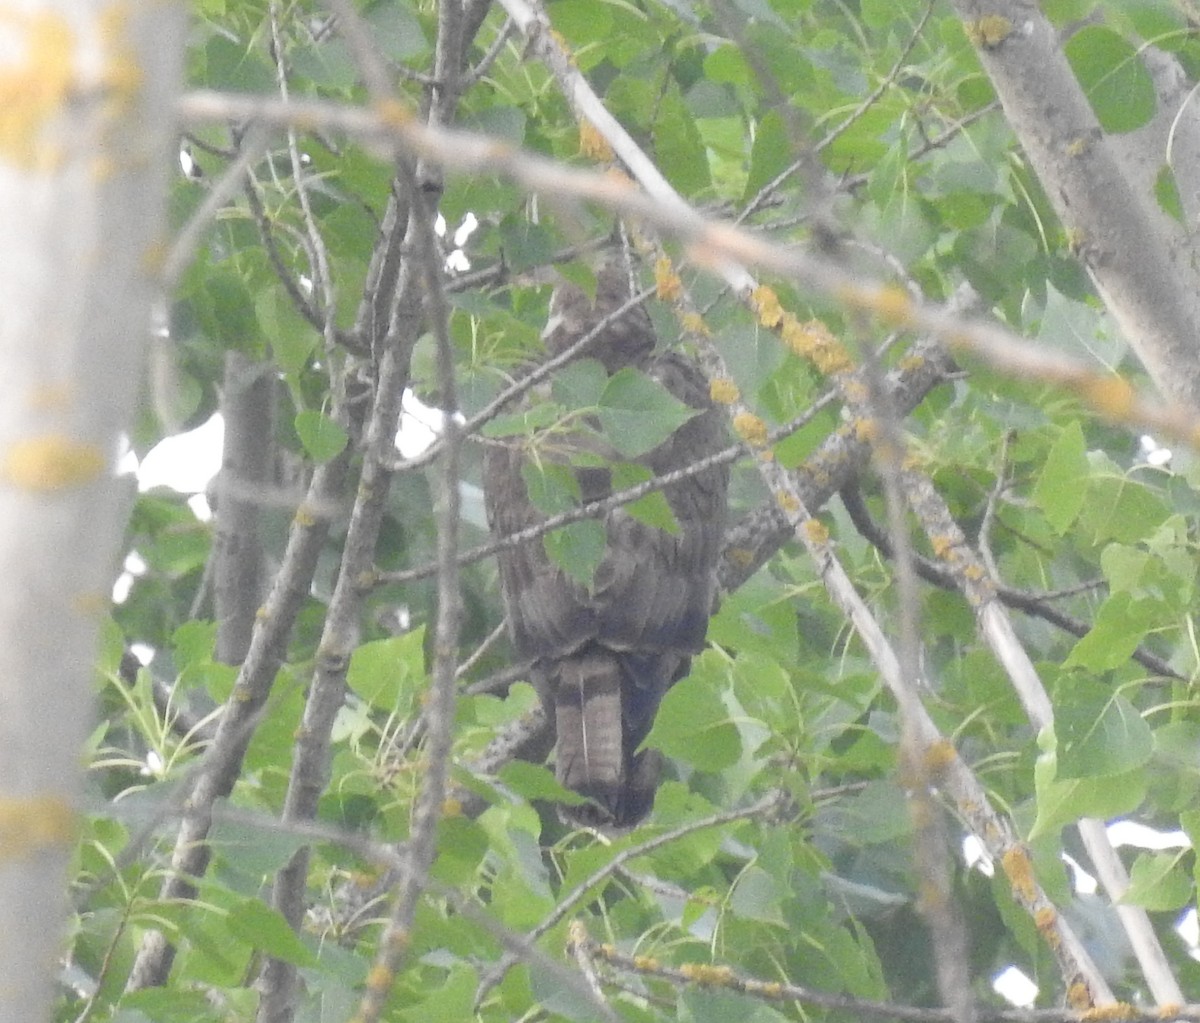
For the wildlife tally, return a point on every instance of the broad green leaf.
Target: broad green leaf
(552, 488)
(453, 998)
(677, 144)
(727, 64)
(759, 896)
(638, 413)
(1120, 626)
(693, 724)
(291, 337)
(227, 310)
(534, 781)
(396, 30)
(876, 814)
(1124, 567)
(1166, 191)
(713, 1005)
(387, 673)
(1112, 75)
(577, 549)
(653, 509)
(1158, 882)
(1119, 508)
(579, 384)
(1061, 487)
(1063, 802)
(322, 438)
(265, 929)
(770, 155)
(237, 66)
(525, 422)
(1099, 732)
(462, 845)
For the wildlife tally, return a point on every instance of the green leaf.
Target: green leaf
(1166, 191)
(1112, 75)
(638, 413)
(322, 438)
(693, 724)
(577, 549)
(1063, 802)
(1099, 732)
(227, 311)
(1061, 487)
(387, 673)
(1120, 626)
(770, 155)
(579, 384)
(1158, 882)
(677, 143)
(525, 422)
(1124, 567)
(396, 31)
(875, 815)
(265, 929)
(453, 998)
(291, 337)
(552, 488)
(1119, 508)
(758, 896)
(236, 66)
(534, 781)
(653, 509)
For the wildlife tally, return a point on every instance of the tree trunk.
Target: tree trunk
(86, 89)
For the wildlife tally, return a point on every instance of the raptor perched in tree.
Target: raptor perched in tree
(603, 656)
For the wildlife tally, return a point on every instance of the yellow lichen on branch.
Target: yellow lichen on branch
(723, 391)
(815, 342)
(816, 531)
(889, 304)
(35, 87)
(713, 976)
(666, 280)
(593, 144)
(989, 31)
(1110, 395)
(766, 306)
(51, 462)
(29, 825)
(123, 75)
(751, 429)
(1018, 868)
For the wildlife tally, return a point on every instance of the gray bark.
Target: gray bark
(83, 163)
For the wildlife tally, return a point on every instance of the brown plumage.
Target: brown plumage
(603, 658)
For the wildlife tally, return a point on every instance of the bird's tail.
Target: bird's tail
(603, 710)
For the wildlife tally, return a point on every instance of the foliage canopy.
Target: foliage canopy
(869, 136)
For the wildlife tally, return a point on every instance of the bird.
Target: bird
(603, 656)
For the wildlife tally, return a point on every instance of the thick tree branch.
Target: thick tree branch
(1149, 288)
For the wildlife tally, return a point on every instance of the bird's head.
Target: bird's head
(573, 313)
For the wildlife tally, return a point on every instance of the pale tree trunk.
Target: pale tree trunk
(86, 95)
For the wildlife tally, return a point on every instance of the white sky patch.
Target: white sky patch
(1015, 987)
(420, 426)
(1084, 883)
(186, 462)
(975, 855)
(457, 261)
(134, 566)
(142, 652)
(465, 229)
(187, 164)
(1131, 833)
(1152, 452)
